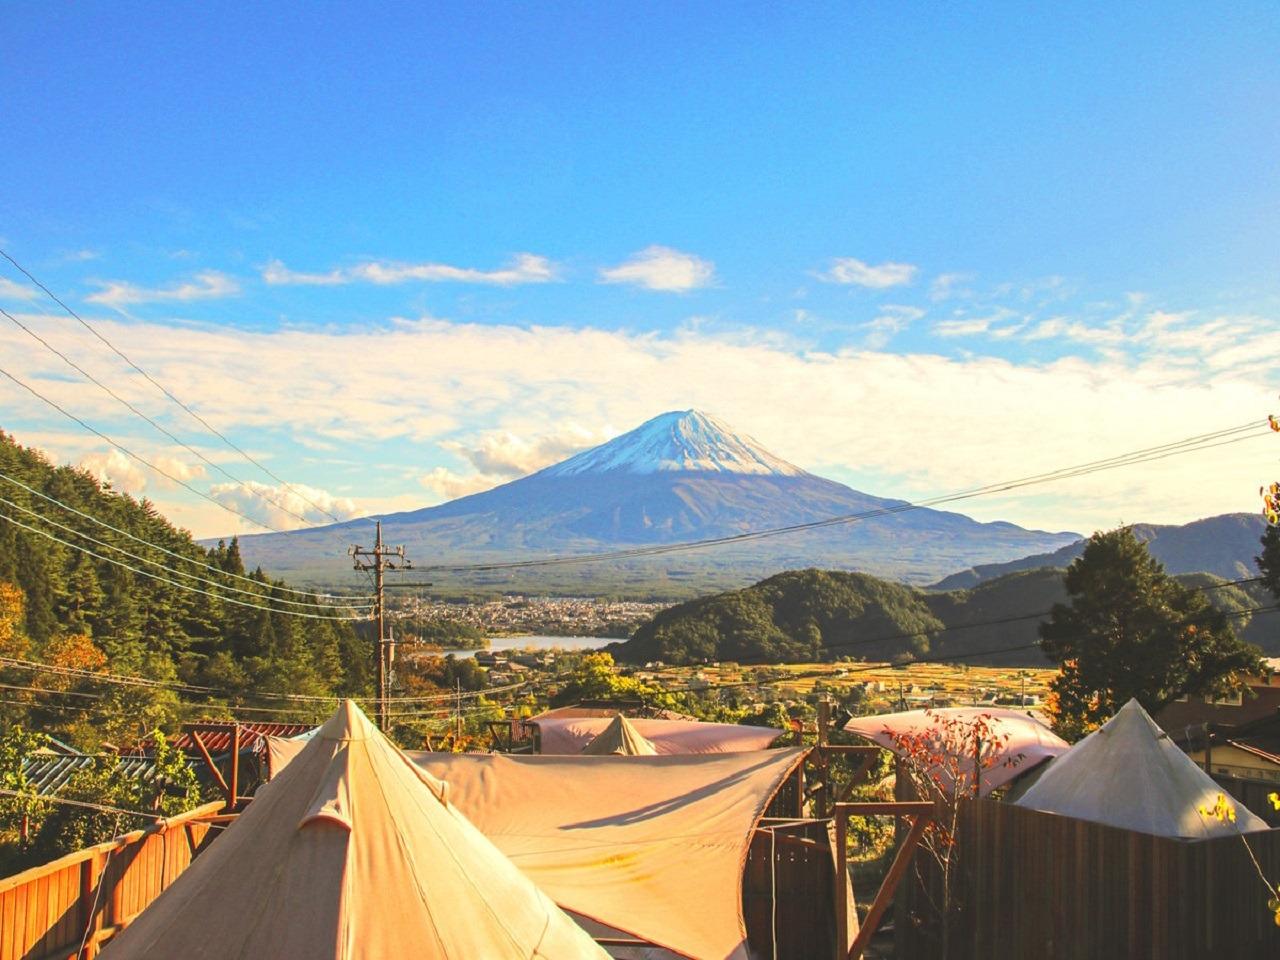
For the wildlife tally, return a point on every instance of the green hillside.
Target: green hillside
(825, 614)
(60, 605)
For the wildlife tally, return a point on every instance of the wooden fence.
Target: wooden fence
(68, 908)
(1032, 884)
(795, 859)
(1253, 794)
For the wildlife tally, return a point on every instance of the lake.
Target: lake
(540, 643)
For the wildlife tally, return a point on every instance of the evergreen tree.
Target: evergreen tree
(1132, 631)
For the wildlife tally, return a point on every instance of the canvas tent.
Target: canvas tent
(620, 738)
(652, 846)
(1129, 774)
(352, 852)
(1027, 741)
(568, 735)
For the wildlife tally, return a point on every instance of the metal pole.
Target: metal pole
(381, 629)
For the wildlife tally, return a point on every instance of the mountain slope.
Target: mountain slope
(681, 476)
(1223, 546)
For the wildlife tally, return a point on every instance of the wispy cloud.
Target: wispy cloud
(9, 290)
(277, 274)
(949, 286)
(506, 454)
(280, 506)
(962, 328)
(523, 268)
(207, 285)
(445, 484)
(893, 319)
(881, 276)
(662, 268)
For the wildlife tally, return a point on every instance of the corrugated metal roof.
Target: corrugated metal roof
(217, 738)
(49, 773)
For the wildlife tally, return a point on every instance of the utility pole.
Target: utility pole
(382, 558)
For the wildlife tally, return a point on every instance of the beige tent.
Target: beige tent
(352, 852)
(620, 738)
(653, 846)
(1129, 774)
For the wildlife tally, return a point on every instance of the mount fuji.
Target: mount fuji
(681, 476)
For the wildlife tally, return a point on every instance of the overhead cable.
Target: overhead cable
(155, 546)
(158, 426)
(182, 573)
(165, 390)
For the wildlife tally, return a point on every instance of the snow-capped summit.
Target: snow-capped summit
(683, 441)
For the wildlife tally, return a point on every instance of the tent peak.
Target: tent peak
(347, 723)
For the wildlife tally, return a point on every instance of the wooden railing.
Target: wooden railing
(68, 908)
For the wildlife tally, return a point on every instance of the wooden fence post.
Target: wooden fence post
(90, 877)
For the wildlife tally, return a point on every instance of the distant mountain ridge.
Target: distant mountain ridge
(681, 476)
(809, 615)
(1224, 546)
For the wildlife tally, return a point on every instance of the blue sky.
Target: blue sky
(903, 245)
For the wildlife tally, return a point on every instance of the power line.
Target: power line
(141, 459)
(179, 687)
(180, 573)
(158, 426)
(1187, 445)
(150, 379)
(172, 553)
(174, 583)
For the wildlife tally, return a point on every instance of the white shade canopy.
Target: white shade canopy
(1129, 774)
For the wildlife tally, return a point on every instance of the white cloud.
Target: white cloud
(948, 286)
(207, 285)
(523, 268)
(276, 273)
(9, 290)
(127, 475)
(447, 485)
(501, 453)
(113, 467)
(896, 425)
(276, 505)
(662, 268)
(963, 327)
(893, 319)
(878, 277)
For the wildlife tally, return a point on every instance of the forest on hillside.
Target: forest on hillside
(199, 631)
(813, 615)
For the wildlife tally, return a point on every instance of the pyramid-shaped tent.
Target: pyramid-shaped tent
(1129, 774)
(353, 852)
(622, 739)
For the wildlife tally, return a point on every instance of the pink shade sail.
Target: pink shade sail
(1029, 742)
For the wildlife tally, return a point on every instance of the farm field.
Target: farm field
(916, 683)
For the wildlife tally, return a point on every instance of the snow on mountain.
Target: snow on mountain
(685, 441)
